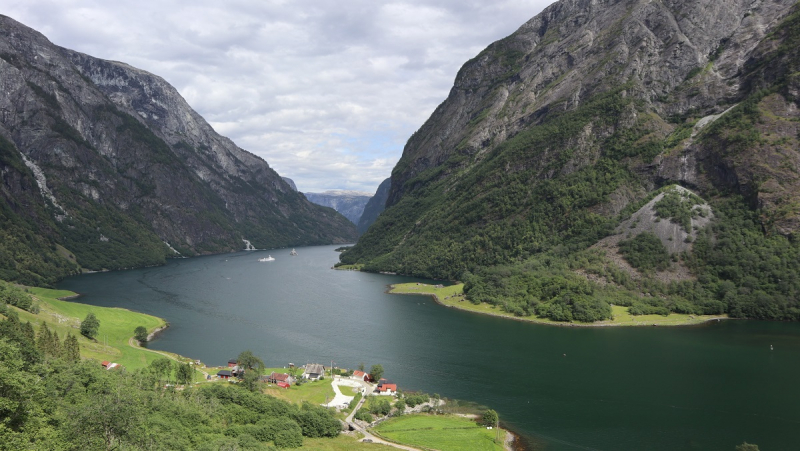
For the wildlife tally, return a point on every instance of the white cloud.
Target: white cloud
(326, 92)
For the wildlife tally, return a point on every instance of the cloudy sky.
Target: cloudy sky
(327, 92)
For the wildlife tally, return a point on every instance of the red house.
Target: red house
(386, 388)
(232, 363)
(276, 378)
(360, 375)
(224, 374)
(282, 384)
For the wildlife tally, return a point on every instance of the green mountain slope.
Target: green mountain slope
(555, 135)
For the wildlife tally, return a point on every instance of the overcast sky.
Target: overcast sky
(327, 92)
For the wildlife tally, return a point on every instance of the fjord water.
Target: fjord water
(708, 387)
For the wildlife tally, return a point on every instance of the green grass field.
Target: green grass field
(314, 392)
(344, 442)
(453, 296)
(441, 432)
(116, 327)
(356, 267)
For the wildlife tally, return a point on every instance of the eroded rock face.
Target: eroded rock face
(675, 58)
(119, 142)
(548, 134)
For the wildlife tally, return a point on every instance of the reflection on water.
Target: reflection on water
(695, 388)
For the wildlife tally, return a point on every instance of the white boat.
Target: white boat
(268, 258)
(293, 253)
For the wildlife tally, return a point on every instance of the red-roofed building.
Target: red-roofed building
(105, 363)
(360, 376)
(386, 389)
(277, 378)
(282, 384)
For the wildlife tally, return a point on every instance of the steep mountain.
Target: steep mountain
(290, 182)
(106, 166)
(552, 137)
(348, 203)
(375, 206)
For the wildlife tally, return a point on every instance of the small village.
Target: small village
(362, 401)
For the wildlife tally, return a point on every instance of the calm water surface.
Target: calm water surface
(708, 387)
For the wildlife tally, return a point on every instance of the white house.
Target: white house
(314, 371)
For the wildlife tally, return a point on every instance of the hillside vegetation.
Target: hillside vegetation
(518, 193)
(56, 396)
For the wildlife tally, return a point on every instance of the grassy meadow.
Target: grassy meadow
(113, 341)
(314, 392)
(453, 296)
(441, 432)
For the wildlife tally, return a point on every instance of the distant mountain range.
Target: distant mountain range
(105, 166)
(348, 203)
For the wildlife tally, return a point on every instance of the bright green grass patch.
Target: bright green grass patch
(623, 318)
(116, 327)
(343, 442)
(356, 267)
(453, 296)
(314, 392)
(349, 391)
(442, 432)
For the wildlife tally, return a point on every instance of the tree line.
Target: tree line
(51, 399)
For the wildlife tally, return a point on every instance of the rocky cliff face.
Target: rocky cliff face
(348, 203)
(290, 182)
(549, 133)
(374, 206)
(122, 165)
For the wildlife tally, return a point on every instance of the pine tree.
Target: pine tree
(43, 340)
(71, 350)
(55, 344)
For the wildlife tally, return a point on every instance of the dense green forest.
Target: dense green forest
(50, 399)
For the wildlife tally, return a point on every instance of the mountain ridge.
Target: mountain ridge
(553, 136)
(134, 171)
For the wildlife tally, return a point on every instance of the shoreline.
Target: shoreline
(157, 331)
(392, 287)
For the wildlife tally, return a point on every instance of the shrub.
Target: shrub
(645, 252)
(288, 439)
(90, 326)
(363, 416)
(140, 334)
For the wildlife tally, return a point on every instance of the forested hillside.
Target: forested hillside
(53, 400)
(553, 137)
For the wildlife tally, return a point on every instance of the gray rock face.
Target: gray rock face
(585, 109)
(290, 182)
(348, 203)
(374, 206)
(674, 56)
(125, 156)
